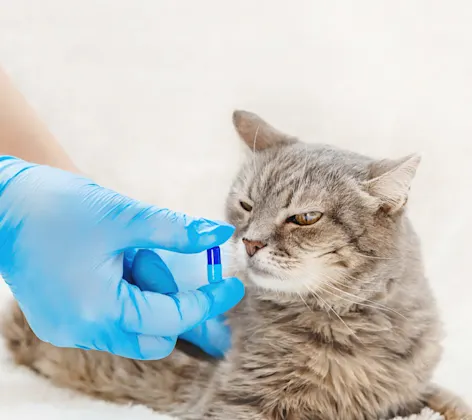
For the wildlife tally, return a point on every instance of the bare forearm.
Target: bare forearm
(23, 135)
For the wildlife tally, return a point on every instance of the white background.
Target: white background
(141, 93)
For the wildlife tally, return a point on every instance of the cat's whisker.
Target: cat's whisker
(318, 297)
(304, 301)
(368, 281)
(334, 281)
(349, 286)
(374, 257)
(374, 305)
(345, 299)
(333, 310)
(364, 282)
(339, 282)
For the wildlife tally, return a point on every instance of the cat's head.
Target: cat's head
(312, 217)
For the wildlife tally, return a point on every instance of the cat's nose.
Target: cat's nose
(253, 246)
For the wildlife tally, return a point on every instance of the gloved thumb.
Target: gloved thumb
(151, 274)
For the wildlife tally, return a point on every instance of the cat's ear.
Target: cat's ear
(390, 181)
(258, 134)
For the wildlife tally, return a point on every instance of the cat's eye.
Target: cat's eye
(245, 206)
(305, 219)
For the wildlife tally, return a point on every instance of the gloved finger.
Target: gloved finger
(171, 315)
(153, 227)
(139, 347)
(213, 336)
(154, 348)
(129, 345)
(151, 274)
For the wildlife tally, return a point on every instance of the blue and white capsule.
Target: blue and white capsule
(214, 270)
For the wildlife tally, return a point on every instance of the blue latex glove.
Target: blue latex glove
(167, 275)
(62, 241)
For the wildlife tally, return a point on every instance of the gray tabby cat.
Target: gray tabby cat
(339, 322)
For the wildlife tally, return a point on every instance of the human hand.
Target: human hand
(168, 273)
(62, 239)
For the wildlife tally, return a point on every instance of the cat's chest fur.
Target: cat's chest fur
(291, 359)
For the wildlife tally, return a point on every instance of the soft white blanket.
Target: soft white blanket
(426, 414)
(135, 90)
